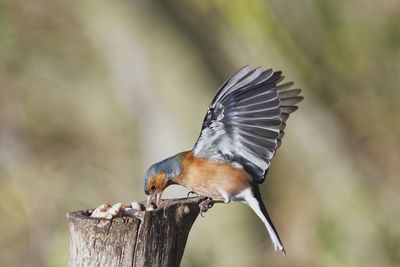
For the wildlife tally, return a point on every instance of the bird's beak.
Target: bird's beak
(148, 201)
(157, 198)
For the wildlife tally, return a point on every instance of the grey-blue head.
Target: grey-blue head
(160, 175)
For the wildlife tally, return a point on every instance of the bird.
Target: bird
(240, 134)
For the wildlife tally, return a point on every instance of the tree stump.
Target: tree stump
(153, 238)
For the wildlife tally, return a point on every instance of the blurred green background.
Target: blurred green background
(93, 92)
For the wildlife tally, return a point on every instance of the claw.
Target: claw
(206, 205)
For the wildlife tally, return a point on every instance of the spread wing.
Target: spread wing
(245, 122)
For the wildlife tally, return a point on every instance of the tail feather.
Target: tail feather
(255, 202)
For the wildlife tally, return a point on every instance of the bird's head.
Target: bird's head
(159, 176)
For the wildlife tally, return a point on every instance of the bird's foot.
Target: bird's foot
(192, 193)
(206, 205)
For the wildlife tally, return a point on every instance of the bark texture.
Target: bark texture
(153, 238)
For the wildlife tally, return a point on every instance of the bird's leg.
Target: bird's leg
(205, 205)
(208, 204)
(192, 193)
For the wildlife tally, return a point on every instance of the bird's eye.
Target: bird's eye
(153, 188)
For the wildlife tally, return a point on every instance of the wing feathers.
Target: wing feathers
(252, 98)
(289, 93)
(284, 86)
(284, 116)
(274, 106)
(261, 133)
(289, 109)
(246, 120)
(289, 101)
(248, 79)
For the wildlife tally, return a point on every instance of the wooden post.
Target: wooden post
(153, 238)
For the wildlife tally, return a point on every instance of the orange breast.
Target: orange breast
(208, 177)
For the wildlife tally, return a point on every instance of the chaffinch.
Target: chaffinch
(241, 132)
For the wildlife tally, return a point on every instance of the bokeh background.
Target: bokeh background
(93, 92)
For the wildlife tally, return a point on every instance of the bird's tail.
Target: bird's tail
(255, 202)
